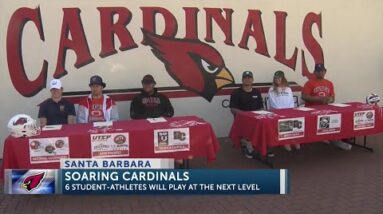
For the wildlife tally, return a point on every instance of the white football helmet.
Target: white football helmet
(372, 98)
(22, 125)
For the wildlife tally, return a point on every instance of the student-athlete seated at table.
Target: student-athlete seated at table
(56, 110)
(320, 91)
(280, 96)
(97, 106)
(149, 103)
(246, 98)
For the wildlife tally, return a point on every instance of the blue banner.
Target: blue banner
(96, 181)
(145, 181)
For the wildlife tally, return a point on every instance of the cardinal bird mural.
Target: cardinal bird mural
(194, 65)
(32, 182)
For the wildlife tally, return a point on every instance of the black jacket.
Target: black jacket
(246, 101)
(148, 106)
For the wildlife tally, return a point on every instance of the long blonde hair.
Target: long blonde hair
(284, 84)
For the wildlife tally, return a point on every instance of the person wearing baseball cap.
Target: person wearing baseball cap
(96, 80)
(320, 91)
(247, 74)
(97, 106)
(280, 96)
(56, 110)
(246, 98)
(149, 103)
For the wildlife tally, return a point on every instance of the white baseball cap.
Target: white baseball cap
(55, 83)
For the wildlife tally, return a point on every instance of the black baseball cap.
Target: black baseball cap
(319, 67)
(279, 74)
(247, 74)
(96, 80)
(148, 79)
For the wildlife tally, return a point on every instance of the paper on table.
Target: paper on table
(51, 127)
(304, 109)
(339, 104)
(262, 112)
(103, 124)
(157, 120)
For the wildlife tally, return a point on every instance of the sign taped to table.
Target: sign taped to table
(171, 140)
(329, 124)
(48, 150)
(291, 128)
(110, 145)
(364, 119)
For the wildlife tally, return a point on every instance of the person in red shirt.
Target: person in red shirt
(97, 106)
(318, 91)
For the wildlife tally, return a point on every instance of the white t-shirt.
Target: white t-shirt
(280, 99)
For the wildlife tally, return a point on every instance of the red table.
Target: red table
(203, 142)
(262, 130)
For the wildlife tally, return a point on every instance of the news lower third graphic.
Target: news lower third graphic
(142, 176)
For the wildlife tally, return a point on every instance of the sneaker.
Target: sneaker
(246, 152)
(243, 142)
(342, 145)
(287, 147)
(270, 154)
(249, 154)
(297, 146)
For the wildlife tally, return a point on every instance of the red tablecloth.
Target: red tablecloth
(262, 130)
(203, 142)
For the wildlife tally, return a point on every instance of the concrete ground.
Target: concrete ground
(323, 179)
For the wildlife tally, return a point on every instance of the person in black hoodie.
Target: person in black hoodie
(149, 103)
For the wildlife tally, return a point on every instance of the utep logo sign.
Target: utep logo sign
(32, 182)
(193, 64)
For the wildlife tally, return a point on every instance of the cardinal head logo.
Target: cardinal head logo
(33, 182)
(194, 65)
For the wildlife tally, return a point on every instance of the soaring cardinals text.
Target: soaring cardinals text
(114, 23)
